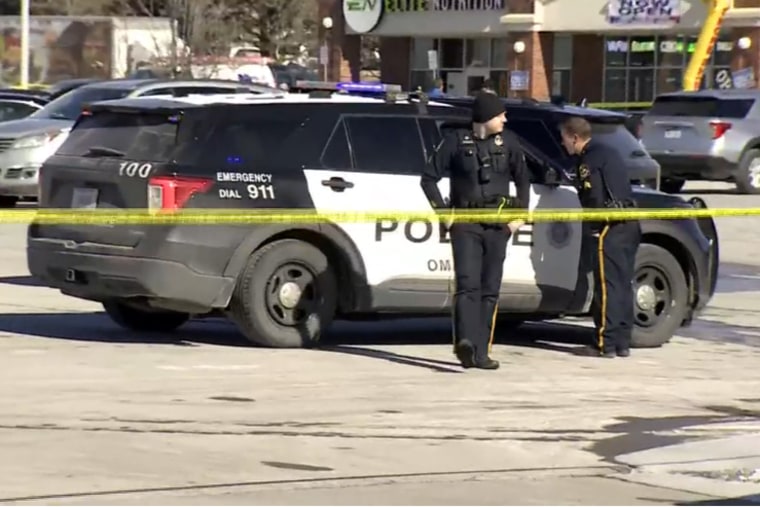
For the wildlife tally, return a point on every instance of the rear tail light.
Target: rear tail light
(172, 193)
(719, 128)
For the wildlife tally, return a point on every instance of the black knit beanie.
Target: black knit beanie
(487, 105)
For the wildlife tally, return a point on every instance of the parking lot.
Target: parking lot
(92, 414)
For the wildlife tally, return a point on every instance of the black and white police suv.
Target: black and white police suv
(283, 284)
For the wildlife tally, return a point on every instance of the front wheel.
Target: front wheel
(139, 319)
(660, 297)
(286, 296)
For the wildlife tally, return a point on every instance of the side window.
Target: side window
(389, 144)
(537, 134)
(337, 154)
(431, 136)
(157, 91)
(202, 90)
(246, 143)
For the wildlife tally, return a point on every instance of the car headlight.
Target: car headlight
(37, 140)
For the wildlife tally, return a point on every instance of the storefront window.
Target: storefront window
(499, 53)
(639, 68)
(452, 53)
(562, 65)
(477, 52)
(641, 51)
(614, 85)
(420, 48)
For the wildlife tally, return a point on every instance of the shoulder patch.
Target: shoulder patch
(498, 140)
(584, 172)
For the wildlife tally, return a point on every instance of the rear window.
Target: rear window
(69, 105)
(701, 107)
(143, 137)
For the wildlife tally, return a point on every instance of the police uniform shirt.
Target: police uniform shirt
(602, 172)
(459, 157)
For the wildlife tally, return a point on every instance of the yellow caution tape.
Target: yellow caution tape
(272, 216)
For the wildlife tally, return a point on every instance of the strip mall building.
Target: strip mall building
(603, 50)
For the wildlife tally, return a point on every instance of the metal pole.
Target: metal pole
(24, 71)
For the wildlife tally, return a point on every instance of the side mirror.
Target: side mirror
(551, 177)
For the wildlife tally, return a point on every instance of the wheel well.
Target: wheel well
(682, 256)
(336, 259)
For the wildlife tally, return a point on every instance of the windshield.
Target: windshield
(69, 105)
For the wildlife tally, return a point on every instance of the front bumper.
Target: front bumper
(708, 282)
(98, 277)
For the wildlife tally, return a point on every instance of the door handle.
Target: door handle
(337, 184)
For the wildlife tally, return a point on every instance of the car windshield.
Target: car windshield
(69, 105)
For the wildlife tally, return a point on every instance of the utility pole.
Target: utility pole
(24, 71)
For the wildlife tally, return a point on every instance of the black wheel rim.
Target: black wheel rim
(292, 294)
(652, 296)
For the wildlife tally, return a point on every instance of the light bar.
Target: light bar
(369, 87)
(347, 86)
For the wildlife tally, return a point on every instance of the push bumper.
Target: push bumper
(164, 284)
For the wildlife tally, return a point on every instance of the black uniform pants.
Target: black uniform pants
(612, 307)
(479, 251)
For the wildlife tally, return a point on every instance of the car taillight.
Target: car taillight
(172, 193)
(719, 128)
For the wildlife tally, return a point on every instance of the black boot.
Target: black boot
(591, 351)
(486, 363)
(465, 352)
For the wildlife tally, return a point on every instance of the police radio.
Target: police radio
(485, 170)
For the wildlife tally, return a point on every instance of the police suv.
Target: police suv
(283, 284)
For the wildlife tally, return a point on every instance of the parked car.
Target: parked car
(706, 135)
(66, 85)
(538, 122)
(283, 283)
(25, 144)
(15, 109)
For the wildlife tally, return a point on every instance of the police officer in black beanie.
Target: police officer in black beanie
(482, 162)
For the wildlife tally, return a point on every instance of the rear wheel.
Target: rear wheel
(286, 296)
(144, 319)
(671, 186)
(7, 201)
(660, 297)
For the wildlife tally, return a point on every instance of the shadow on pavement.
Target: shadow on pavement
(742, 500)
(21, 281)
(352, 338)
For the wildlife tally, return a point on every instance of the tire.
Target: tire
(8, 201)
(671, 186)
(258, 307)
(137, 319)
(747, 178)
(660, 297)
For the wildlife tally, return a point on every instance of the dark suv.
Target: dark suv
(283, 283)
(538, 122)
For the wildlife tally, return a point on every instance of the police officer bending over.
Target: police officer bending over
(603, 182)
(480, 162)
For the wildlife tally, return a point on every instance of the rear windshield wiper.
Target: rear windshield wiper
(102, 151)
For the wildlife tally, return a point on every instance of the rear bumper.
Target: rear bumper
(100, 277)
(695, 167)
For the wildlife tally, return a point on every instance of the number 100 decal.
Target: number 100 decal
(132, 169)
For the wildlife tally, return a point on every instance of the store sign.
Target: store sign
(723, 80)
(665, 46)
(519, 80)
(362, 16)
(443, 5)
(643, 12)
(744, 78)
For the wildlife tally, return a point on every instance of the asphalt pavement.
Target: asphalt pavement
(92, 414)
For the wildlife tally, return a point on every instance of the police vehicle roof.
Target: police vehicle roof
(167, 102)
(568, 109)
